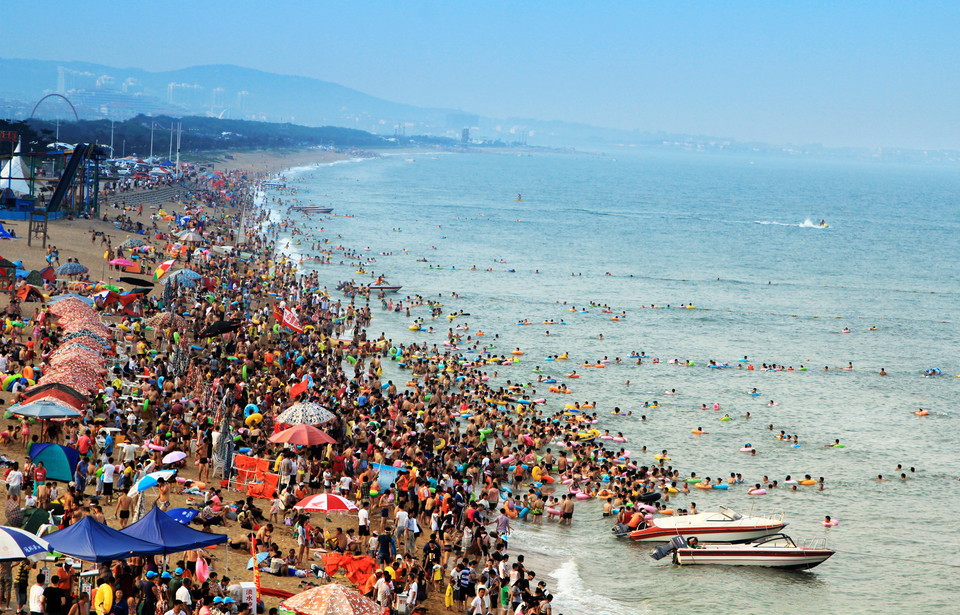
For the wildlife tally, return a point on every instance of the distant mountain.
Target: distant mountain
(232, 92)
(100, 91)
(106, 92)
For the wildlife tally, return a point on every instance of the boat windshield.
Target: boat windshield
(730, 513)
(773, 541)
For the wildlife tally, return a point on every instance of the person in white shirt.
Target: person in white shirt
(345, 484)
(177, 609)
(384, 589)
(108, 472)
(35, 599)
(14, 480)
(363, 520)
(412, 591)
(477, 605)
(183, 593)
(401, 522)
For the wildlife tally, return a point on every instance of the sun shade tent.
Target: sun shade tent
(56, 387)
(35, 518)
(92, 541)
(60, 461)
(160, 528)
(183, 515)
(29, 292)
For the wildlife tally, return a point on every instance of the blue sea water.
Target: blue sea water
(735, 237)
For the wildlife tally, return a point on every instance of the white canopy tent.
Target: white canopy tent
(15, 174)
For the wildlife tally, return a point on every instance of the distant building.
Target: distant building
(68, 79)
(455, 121)
(465, 136)
(243, 97)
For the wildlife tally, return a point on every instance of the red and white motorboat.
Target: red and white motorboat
(723, 525)
(772, 551)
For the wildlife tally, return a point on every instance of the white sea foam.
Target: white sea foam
(572, 595)
(293, 172)
(808, 223)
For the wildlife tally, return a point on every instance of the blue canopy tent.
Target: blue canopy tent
(183, 515)
(169, 534)
(60, 461)
(92, 541)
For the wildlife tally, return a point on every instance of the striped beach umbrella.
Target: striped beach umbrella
(162, 269)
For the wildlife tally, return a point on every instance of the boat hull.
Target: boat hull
(795, 559)
(312, 210)
(735, 533)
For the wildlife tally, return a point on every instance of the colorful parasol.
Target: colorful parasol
(304, 435)
(326, 502)
(331, 599)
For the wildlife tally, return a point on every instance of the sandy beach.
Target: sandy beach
(73, 240)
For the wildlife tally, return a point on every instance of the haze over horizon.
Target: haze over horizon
(877, 75)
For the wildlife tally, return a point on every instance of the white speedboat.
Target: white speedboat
(773, 551)
(723, 525)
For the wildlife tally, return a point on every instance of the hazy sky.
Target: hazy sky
(837, 73)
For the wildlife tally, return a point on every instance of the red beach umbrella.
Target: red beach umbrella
(326, 502)
(304, 435)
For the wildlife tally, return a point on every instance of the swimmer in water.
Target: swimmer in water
(883, 372)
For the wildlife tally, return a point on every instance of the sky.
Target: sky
(862, 74)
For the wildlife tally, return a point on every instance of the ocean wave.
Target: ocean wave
(294, 172)
(573, 595)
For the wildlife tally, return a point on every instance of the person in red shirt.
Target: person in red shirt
(40, 473)
(83, 443)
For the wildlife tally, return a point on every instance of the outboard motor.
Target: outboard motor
(621, 529)
(677, 542)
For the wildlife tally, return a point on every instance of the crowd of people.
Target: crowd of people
(442, 527)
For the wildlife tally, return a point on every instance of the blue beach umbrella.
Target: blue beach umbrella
(17, 544)
(179, 279)
(71, 268)
(189, 274)
(44, 409)
(150, 480)
(260, 558)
